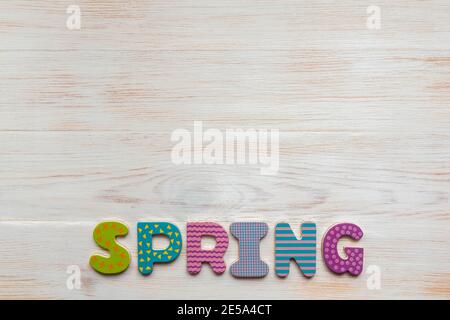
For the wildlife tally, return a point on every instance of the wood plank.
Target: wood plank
(36, 258)
(74, 175)
(349, 91)
(218, 25)
(86, 118)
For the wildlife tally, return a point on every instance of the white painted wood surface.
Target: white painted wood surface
(86, 118)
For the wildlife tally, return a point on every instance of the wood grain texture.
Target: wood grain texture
(86, 118)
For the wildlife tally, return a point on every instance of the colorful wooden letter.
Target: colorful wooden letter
(105, 234)
(288, 247)
(146, 255)
(355, 256)
(249, 264)
(196, 255)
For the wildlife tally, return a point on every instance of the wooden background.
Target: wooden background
(86, 118)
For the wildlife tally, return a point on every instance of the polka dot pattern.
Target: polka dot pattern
(355, 256)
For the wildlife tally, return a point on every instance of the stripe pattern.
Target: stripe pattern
(288, 247)
(196, 256)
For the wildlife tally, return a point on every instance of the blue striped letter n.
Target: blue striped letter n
(288, 247)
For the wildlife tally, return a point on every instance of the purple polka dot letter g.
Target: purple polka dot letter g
(249, 264)
(355, 256)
